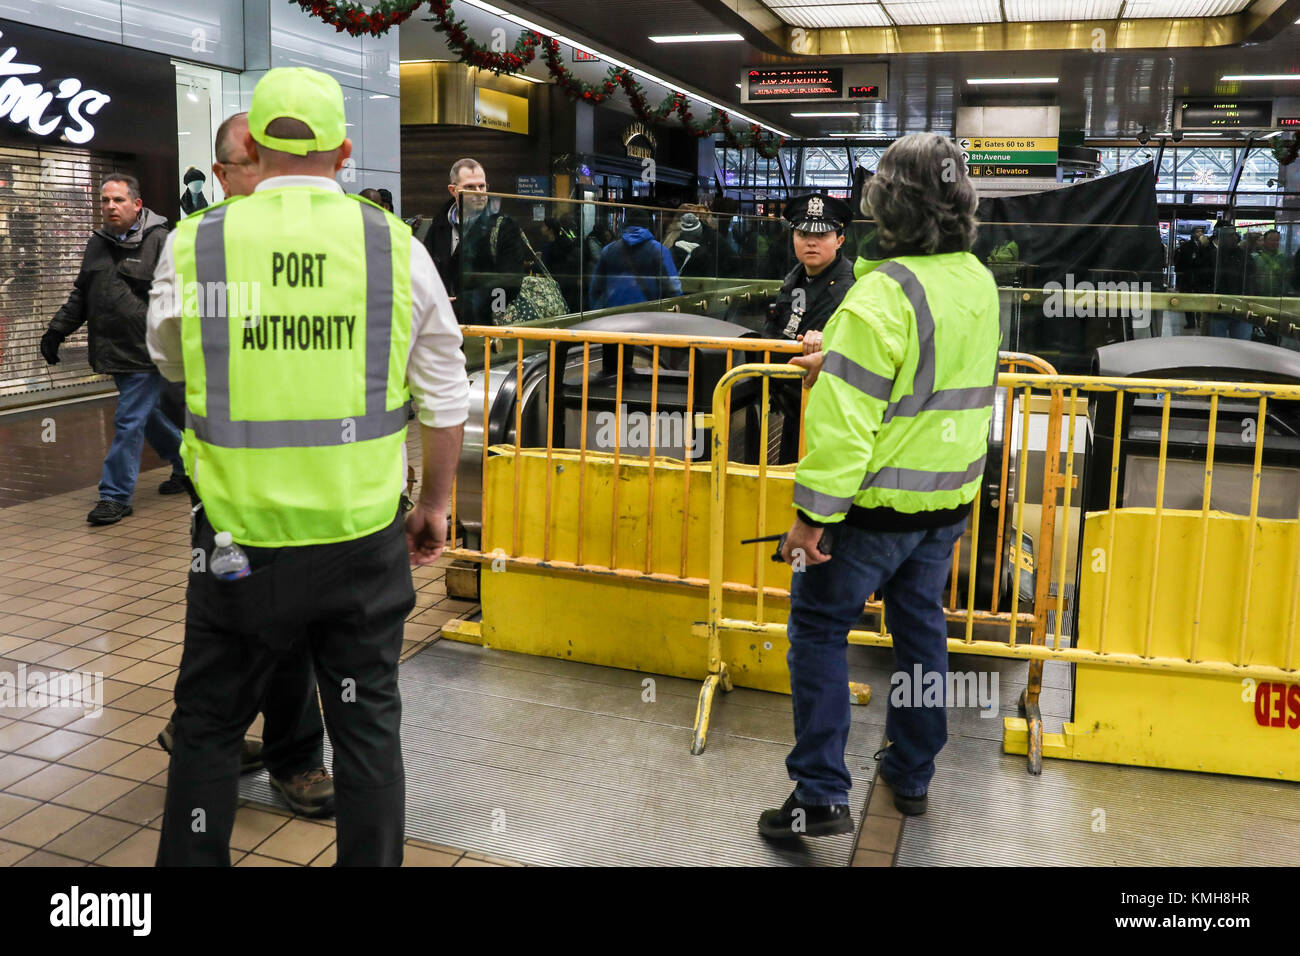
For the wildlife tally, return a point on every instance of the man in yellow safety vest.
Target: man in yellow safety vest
(297, 318)
(897, 431)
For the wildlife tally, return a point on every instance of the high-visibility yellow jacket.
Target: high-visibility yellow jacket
(897, 423)
(295, 331)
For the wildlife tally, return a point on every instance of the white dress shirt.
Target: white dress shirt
(435, 367)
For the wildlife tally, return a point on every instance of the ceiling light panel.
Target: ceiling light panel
(831, 15)
(1033, 10)
(928, 12)
(1174, 9)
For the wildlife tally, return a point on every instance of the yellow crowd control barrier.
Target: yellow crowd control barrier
(1165, 675)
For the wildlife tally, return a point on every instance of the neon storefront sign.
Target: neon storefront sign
(29, 103)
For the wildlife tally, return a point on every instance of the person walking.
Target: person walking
(111, 295)
(897, 432)
(296, 415)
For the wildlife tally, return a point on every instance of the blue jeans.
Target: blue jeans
(1231, 328)
(136, 419)
(911, 570)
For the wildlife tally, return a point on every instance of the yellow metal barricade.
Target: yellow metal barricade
(1164, 677)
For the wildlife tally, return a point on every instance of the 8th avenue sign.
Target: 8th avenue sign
(1009, 156)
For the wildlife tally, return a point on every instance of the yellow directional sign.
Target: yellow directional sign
(1034, 143)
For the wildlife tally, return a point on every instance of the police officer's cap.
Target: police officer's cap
(817, 213)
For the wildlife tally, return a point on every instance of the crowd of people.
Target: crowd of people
(1225, 263)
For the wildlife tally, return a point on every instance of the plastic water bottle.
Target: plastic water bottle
(229, 563)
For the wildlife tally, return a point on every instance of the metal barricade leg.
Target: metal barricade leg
(1028, 708)
(702, 711)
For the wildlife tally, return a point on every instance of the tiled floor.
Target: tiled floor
(79, 790)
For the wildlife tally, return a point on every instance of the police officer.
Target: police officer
(810, 294)
(305, 315)
(897, 432)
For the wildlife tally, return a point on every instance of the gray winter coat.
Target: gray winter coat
(112, 294)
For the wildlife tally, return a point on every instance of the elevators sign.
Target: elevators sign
(1014, 156)
(504, 111)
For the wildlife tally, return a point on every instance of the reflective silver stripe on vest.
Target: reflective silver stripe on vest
(863, 379)
(818, 503)
(216, 428)
(924, 397)
(912, 479)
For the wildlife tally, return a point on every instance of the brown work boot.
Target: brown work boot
(250, 754)
(310, 793)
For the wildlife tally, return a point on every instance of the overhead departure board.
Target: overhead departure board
(802, 84)
(791, 84)
(1224, 113)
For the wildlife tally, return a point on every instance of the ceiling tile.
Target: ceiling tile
(927, 12)
(1021, 10)
(831, 15)
(1184, 8)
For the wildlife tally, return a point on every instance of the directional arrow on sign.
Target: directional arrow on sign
(964, 143)
(965, 156)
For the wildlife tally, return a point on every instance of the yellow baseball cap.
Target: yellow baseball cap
(300, 93)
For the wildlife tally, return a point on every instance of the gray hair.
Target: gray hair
(224, 147)
(130, 182)
(460, 164)
(921, 198)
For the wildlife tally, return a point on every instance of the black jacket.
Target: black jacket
(506, 260)
(111, 293)
(822, 296)
(711, 257)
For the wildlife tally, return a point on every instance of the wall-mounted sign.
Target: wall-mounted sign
(1020, 156)
(533, 185)
(855, 81)
(639, 141)
(44, 106)
(504, 111)
(1223, 113)
(580, 57)
(1288, 122)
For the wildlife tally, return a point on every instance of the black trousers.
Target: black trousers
(293, 737)
(346, 604)
(787, 397)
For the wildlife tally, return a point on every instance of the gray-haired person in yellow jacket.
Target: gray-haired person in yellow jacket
(897, 431)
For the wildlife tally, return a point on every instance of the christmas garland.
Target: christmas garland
(575, 88)
(472, 54)
(357, 19)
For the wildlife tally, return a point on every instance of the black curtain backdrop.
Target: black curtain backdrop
(1104, 230)
(1101, 230)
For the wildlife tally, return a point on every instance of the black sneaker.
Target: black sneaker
(250, 755)
(172, 486)
(108, 512)
(796, 819)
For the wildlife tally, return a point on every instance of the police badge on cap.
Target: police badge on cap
(817, 213)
